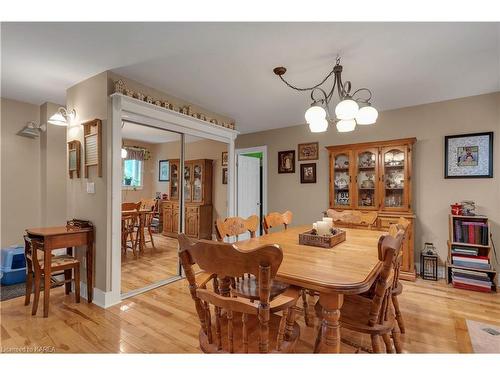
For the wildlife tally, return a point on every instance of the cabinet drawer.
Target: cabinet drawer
(192, 209)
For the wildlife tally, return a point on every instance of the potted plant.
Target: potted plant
(127, 180)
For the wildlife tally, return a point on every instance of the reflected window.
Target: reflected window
(132, 174)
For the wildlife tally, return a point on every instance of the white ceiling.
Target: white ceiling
(149, 134)
(227, 67)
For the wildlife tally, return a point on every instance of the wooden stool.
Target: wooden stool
(60, 265)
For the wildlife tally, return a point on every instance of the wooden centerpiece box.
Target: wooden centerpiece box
(311, 238)
(376, 176)
(196, 182)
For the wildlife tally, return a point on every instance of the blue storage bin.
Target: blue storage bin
(13, 265)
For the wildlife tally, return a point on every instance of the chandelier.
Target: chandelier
(352, 109)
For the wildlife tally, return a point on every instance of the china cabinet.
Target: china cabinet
(376, 176)
(197, 189)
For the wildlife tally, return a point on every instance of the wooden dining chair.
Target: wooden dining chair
(373, 316)
(245, 285)
(397, 288)
(236, 226)
(237, 324)
(276, 219)
(148, 204)
(129, 233)
(131, 206)
(350, 218)
(66, 265)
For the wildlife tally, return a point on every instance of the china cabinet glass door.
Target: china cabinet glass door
(197, 182)
(366, 178)
(174, 181)
(342, 197)
(187, 182)
(394, 179)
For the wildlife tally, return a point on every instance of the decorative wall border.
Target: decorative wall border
(121, 88)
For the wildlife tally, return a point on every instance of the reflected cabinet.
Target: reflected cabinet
(197, 189)
(375, 176)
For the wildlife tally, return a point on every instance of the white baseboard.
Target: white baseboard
(101, 299)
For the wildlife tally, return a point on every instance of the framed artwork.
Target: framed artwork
(163, 170)
(468, 155)
(92, 143)
(308, 173)
(308, 151)
(224, 176)
(224, 158)
(286, 161)
(74, 158)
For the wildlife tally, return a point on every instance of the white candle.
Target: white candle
(323, 227)
(328, 220)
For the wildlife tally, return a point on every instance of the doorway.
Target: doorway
(251, 191)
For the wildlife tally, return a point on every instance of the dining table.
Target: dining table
(349, 267)
(141, 214)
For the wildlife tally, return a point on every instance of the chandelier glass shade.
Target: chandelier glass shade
(367, 116)
(352, 108)
(62, 117)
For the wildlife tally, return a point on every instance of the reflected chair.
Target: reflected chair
(229, 323)
(373, 315)
(148, 204)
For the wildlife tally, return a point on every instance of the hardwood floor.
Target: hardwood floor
(153, 265)
(164, 321)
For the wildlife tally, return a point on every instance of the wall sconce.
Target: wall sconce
(32, 130)
(62, 117)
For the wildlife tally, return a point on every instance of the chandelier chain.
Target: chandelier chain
(307, 88)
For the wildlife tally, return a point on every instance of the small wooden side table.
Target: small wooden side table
(62, 237)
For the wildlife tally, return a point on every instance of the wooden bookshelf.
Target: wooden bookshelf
(483, 250)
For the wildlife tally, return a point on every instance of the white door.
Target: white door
(248, 170)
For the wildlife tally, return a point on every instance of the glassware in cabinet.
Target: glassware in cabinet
(366, 178)
(342, 180)
(394, 161)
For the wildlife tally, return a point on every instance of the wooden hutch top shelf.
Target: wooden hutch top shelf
(372, 175)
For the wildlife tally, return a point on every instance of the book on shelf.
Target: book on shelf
(480, 274)
(473, 232)
(455, 250)
(471, 287)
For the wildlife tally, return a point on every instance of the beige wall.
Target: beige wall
(33, 171)
(21, 205)
(90, 100)
(205, 149)
(432, 193)
(54, 169)
(147, 191)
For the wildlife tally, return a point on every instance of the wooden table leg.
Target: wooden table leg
(47, 263)
(90, 267)
(142, 241)
(67, 286)
(331, 314)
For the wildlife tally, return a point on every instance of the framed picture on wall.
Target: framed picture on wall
(308, 151)
(163, 170)
(224, 159)
(308, 173)
(286, 161)
(468, 155)
(224, 176)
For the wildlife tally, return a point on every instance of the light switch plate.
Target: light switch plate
(90, 187)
